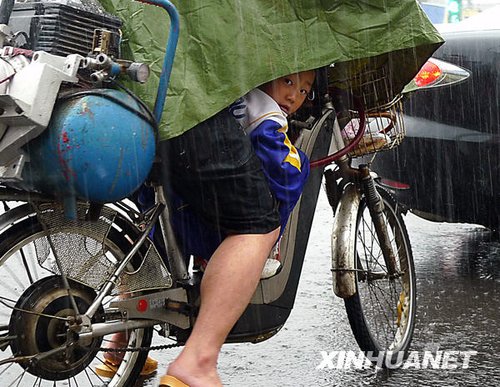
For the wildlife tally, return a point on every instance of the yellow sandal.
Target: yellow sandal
(171, 381)
(108, 368)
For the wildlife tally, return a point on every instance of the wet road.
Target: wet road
(458, 279)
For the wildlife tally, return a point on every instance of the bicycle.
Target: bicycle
(78, 279)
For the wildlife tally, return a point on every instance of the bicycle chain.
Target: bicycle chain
(138, 349)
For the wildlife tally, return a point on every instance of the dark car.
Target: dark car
(449, 162)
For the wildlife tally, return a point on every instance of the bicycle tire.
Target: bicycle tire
(25, 283)
(382, 311)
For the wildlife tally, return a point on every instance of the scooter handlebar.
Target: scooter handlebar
(168, 60)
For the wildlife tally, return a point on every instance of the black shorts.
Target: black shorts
(215, 170)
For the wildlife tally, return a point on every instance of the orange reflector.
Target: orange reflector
(428, 74)
(142, 305)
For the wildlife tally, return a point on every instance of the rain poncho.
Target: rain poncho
(228, 47)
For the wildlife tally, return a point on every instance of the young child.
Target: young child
(240, 176)
(262, 115)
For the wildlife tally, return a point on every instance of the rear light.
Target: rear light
(428, 74)
(436, 73)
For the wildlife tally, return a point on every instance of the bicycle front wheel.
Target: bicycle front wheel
(36, 311)
(382, 311)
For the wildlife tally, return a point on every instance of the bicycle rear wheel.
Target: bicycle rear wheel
(382, 311)
(35, 309)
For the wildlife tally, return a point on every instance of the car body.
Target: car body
(449, 162)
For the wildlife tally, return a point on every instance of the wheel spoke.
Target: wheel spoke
(25, 263)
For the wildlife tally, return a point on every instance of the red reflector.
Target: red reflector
(394, 184)
(142, 305)
(428, 74)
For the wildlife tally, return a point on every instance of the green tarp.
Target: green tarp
(228, 47)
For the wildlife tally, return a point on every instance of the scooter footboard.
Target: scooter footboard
(344, 243)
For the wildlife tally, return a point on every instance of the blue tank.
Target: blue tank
(96, 147)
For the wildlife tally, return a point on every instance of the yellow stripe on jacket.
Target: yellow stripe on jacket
(293, 156)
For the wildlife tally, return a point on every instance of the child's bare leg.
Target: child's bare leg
(228, 284)
(112, 360)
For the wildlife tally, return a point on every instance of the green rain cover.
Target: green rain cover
(228, 47)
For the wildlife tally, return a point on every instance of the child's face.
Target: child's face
(291, 90)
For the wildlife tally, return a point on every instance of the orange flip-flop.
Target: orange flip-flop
(108, 368)
(171, 381)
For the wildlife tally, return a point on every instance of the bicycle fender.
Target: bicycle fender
(343, 243)
(13, 215)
